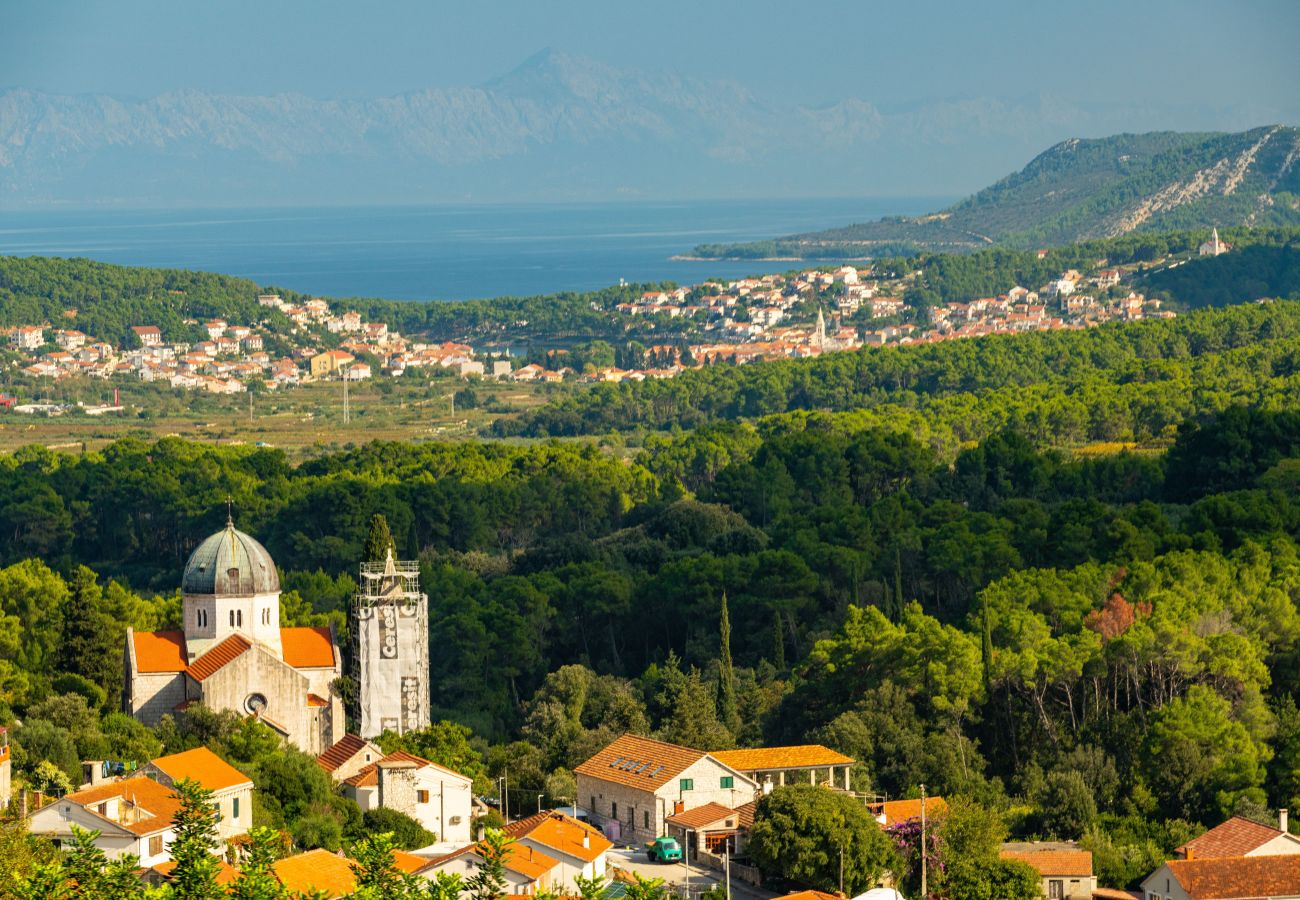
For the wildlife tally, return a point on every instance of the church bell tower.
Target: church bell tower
(390, 618)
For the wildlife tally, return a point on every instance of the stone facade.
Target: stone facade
(232, 653)
(391, 624)
(641, 812)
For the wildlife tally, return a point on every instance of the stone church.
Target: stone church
(232, 653)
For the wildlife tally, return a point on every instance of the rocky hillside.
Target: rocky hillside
(1083, 189)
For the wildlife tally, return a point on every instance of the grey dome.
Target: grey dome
(230, 563)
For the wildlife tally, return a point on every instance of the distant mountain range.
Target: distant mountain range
(558, 127)
(1083, 189)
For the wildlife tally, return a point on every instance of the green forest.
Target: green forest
(1098, 647)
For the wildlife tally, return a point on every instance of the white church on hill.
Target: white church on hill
(231, 652)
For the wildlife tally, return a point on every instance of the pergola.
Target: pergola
(768, 764)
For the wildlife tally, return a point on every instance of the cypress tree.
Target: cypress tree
(897, 612)
(986, 644)
(380, 540)
(727, 709)
(778, 642)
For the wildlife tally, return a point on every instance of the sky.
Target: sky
(1213, 53)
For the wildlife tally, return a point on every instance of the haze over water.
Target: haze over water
(443, 252)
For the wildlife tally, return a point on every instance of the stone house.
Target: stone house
(1225, 878)
(633, 785)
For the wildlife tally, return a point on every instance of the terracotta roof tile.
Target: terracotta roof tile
(317, 702)
(307, 648)
(702, 815)
(527, 861)
(810, 895)
(1053, 862)
(1234, 877)
(159, 651)
(369, 776)
(226, 873)
(203, 766)
(408, 862)
(745, 814)
(218, 657)
(640, 762)
(316, 870)
(902, 810)
(1235, 837)
(145, 793)
(565, 835)
(778, 758)
(347, 747)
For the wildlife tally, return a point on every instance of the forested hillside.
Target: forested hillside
(1117, 382)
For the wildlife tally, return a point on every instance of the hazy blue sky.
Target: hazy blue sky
(1164, 52)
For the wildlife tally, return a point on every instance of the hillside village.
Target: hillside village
(736, 322)
(636, 795)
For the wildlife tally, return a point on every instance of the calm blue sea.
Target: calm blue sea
(439, 252)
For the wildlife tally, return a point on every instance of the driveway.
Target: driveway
(674, 875)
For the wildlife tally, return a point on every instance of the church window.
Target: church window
(255, 703)
(266, 616)
(239, 618)
(201, 618)
(232, 618)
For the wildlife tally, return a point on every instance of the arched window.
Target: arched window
(232, 618)
(266, 616)
(201, 618)
(239, 618)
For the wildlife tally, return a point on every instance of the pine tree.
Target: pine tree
(256, 880)
(195, 875)
(986, 645)
(727, 709)
(489, 880)
(91, 644)
(380, 540)
(897, 611)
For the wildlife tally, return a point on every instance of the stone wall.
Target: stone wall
(397, 786)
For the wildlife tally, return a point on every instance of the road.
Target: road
(675, 874)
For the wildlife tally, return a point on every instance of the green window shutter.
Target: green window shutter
(686, 784)
(728, 781)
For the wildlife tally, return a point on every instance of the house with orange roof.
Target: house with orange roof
(329, 874)
(1239, 836)
(133, 817)
(892, 812)
(580, 849)
(1226, 878)
(438, 798)
(231, 653)
(635, 783)
(770, 766)
(232, 790)
(527, 869)
(349, 756)
(1065, 868)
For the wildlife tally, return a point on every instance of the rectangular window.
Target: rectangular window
(613, 809)
(686, 784)
(593, 802)
(155, 845)
(728, 781)
(1055, 889)
(421, 796)
(646, 821)
(234, 808)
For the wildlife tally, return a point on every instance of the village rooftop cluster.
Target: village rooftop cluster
(768, 317)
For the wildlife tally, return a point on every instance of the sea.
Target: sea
(445, 252)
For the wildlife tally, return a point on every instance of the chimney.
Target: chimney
(1282, 819)
(586, 838)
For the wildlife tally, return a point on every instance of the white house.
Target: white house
(577, 848)
(436, 797)
(232, 790)
(132, 816)
(527, 869)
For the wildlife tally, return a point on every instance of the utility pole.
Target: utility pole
(250, 406)
(347, 413)
(505, 796)
(727, 868)
(841, 870)
(686, 860)
(924, 892)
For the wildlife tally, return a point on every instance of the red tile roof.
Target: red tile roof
(317, 702)
(226, 873)
(780, 758)
(316, 870)
(159, 651)
(745, 814)
(144, 793)
(347, 747)
(218, 657)
(1238, 877)
(700, 816)
(369, 776)
(1235, 837)
(565, 835)
(203, 766)
(1071, 863)
(640, 763)
(903, 810)
(307, 648)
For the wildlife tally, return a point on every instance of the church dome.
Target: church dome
(230, 563)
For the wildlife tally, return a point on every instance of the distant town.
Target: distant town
(773, 316)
